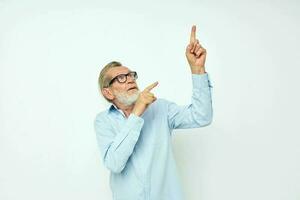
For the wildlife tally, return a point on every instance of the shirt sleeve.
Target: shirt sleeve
(199, 112)
(116, 146)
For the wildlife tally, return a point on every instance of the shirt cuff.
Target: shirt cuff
(201, 81)
(136, 123)
(136, 118)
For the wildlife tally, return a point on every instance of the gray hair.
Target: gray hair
(103, 79)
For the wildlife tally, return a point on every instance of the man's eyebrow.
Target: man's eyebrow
(125, 72)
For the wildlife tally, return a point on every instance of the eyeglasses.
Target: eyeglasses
(122, 78)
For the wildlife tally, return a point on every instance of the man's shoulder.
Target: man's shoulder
(101, 115)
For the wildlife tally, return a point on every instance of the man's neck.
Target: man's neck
(127, 110)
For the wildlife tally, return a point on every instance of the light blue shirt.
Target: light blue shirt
(138, 150)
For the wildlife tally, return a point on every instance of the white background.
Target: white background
(51, 54)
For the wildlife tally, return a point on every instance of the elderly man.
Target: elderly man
(134, 133)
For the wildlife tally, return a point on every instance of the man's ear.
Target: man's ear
(107, 93)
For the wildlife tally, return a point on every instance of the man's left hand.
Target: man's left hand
(195, 54)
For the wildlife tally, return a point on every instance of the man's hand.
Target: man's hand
(144, 100)
(195, 54)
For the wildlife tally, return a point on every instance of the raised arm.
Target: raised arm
(199, 112)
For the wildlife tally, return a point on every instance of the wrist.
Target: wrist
(198, 70)
(137, 110)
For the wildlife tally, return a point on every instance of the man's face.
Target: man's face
(125, 93)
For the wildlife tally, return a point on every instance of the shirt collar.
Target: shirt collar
(113, 107)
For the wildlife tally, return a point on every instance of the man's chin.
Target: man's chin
(128, 99)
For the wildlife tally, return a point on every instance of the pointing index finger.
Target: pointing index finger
(150, 87)
(193, 34)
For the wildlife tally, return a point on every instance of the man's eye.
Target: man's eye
(122, 77)
(132, 74)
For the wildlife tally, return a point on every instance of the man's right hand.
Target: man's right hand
(144, 100)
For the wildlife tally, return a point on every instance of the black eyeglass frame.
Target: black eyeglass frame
(135, 76)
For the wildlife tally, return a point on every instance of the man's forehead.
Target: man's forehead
(118, 70)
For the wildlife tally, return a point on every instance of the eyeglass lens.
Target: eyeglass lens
(123, 77)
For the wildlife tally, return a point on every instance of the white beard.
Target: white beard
(126, 99)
